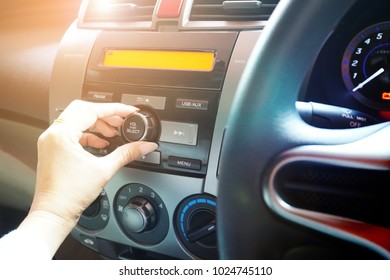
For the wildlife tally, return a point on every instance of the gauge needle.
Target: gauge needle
(369, 79)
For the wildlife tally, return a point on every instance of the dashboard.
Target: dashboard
(165, 202)
(184, 64)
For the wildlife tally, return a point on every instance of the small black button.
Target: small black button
(186, 163)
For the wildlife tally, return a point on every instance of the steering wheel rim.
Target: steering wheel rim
(265, 124)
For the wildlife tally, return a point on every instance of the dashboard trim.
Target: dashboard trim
(373, 237)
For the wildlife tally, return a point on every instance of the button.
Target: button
(156, 102)
(169, 8)
(179, 133)
(142, 125)
(153, 157)
(134, 128)
(186, 163)
(192, 104)
(133, 219)
(100, 96)
(88, 241)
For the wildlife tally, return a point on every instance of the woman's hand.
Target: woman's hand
(69, 178)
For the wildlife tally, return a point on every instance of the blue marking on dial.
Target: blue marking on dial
(188, 206)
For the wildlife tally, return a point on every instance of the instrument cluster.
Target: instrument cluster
(353, 68)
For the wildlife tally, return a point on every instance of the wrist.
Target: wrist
(59, 209)
(45, 228)
(55, 221)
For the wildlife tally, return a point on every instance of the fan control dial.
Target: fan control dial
(139, 215)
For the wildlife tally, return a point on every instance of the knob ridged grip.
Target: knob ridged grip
(141, 126)
(139, 215)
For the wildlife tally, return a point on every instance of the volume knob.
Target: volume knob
(141, 126)
(139, 215)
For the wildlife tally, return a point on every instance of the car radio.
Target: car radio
(177, 87)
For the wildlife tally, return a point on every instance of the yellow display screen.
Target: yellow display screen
(163, 60)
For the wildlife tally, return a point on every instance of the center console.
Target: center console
(182, 72)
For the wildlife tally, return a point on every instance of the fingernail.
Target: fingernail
(147, 148)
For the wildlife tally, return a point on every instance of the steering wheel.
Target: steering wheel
(265, 131)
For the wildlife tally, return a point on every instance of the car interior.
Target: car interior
(271, 119)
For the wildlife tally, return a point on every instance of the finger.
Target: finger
(83, 115)
(104, 110)
(127, 153)
(103, 128)
(91, 140)
(114, 121)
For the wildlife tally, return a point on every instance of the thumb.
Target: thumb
(127, 153)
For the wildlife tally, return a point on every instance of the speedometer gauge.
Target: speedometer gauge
(366, 66)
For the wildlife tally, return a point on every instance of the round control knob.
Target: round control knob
(96, 216)
(139, 215)
(93, 209)
(141, 126)
(195, 225)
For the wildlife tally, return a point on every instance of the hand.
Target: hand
(69, 178)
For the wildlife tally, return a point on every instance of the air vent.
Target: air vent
(239, 10)
(110, 13)
(354, 193)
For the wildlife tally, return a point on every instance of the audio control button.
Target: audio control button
(192, 104)
(156, 102)
(140, 126)
(153, 158)
(100, 96)
(186, 163)
(134, 128)
(179, 133)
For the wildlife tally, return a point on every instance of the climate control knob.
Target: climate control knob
(196, 225)
(142, 125)
(139, 215)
